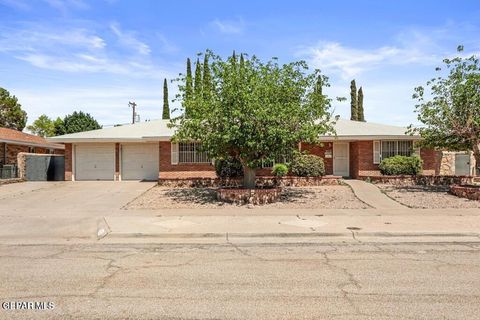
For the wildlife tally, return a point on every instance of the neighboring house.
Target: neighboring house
(12, 142)
(144, 151)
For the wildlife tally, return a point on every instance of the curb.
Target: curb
(227, 235)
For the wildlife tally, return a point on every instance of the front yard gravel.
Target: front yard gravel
(321, 197)
(426, 197)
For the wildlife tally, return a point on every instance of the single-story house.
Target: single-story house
(144, 151)
(12, 142)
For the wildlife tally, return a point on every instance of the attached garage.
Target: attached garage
(139, 161)
(94, 161)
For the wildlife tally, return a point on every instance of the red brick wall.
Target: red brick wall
(181, 171)
(2, 153)
(361, 160)
(429, 157)
(68, 161)
(12, 151)
(319, 150)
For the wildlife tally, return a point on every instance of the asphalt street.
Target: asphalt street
(243, 281)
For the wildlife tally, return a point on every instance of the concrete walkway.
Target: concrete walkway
(371, 195)
(216, 228)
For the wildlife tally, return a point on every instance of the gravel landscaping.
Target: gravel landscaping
(426, 197)
(321, 197)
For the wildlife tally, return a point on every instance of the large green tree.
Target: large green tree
(11, 114)
(353, 101)
(166, 108)
(360, 111)
(257, 111)
(449, 109)
(43, 126)
(77, 122)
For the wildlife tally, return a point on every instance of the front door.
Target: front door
(341, 159)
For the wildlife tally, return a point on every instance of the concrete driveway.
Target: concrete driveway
(62, 209)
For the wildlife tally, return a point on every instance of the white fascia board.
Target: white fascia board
(373, 137)
(75, 140)
(157, 138)
(33, 144)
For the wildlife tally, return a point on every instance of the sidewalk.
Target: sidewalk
(371, 195)
(352, 226)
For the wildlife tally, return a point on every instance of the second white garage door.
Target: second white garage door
(140, 161)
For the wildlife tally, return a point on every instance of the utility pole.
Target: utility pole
(133, 105)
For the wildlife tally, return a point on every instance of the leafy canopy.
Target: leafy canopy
(77, 122)
(11, 114)
(450, 109)
(43, 126)
(255, 111)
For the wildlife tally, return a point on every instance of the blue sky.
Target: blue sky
(59, 56)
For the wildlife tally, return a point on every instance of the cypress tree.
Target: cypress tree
(207, 79)
(353, 101)
(188, 81)
(166, 108)
(361, 115)
(197, 85)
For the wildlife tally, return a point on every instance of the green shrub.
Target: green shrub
(401, 165)
(228, 168)
(280, 170)
(308, 165)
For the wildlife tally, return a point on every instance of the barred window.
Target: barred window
(190, 153)
(396, 148)
(280, 159)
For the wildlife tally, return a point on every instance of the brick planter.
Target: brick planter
(467, 191)
(249, 196)
(261, 181)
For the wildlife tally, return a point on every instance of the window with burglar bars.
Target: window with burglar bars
(271, 163)
(396, 148)
(189, 153)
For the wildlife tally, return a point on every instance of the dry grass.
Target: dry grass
(427, 197)
(322, 197)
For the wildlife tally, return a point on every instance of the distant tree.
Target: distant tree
(450, 110)
(189, 81)
(197, 85)
(58, 126)
(361, 112)
(78, 122)
(207, 79)
(353, 101)
(166, 108)
(43, 126)
(11, 114)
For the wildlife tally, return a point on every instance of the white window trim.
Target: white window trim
(377, 152)
(176, 155)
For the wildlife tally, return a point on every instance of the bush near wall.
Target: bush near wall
(307, 165)
(280, 170)
(228, 168)
(401, 165)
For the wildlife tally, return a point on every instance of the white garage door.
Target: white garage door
(94, 161)
(140, 161)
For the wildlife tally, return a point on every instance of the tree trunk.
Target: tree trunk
(248, 177)
(476, 155)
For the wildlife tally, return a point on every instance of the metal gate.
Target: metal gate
(462, 164)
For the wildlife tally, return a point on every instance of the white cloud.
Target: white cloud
(236, 26)
(82, 50)
(349, 62)
(128, 40)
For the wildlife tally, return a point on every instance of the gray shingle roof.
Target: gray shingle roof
(158, 130)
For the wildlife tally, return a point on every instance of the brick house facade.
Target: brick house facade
(12, 142)
(354, 152)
